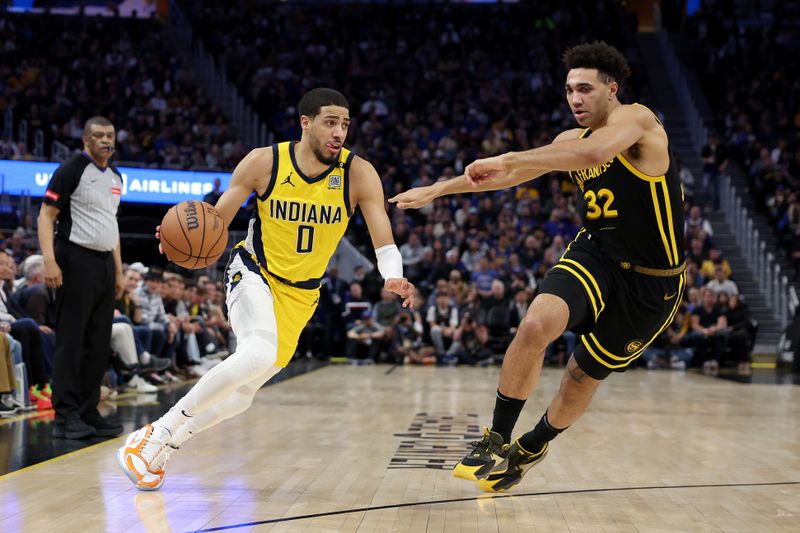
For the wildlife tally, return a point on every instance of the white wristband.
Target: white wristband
(390, 262)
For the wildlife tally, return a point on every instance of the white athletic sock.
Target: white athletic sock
(238, 402)
(253, 357)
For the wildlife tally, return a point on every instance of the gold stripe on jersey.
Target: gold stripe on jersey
(670, 224)
(299, 220)
(591, 339)
(671, 251)
(657, 207)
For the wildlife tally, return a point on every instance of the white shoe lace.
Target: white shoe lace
(160, 462)
(155, 442)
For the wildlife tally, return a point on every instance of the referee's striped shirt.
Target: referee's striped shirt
(87, 198)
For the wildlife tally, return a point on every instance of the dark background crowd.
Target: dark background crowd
(430, 89)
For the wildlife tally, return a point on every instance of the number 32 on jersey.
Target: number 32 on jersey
(599, 204)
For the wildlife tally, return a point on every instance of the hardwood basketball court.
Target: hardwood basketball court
(369, 449)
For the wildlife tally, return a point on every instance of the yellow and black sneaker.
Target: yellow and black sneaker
(509, 472)
(478, 463)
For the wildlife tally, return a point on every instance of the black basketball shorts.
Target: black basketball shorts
(616, 313)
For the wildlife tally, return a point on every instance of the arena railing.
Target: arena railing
(694, 122)
(780, 296)
(243, 117)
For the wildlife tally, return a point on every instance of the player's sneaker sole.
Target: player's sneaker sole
(132, 474)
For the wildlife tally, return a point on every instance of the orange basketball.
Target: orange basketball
(193, 234)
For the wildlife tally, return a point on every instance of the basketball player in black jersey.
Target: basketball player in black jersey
(620, 281)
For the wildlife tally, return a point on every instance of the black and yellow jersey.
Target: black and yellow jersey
(299, 220)
(635, 218)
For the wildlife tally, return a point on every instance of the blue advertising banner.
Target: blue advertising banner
(142, 185)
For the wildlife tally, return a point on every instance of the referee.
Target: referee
(85, 265)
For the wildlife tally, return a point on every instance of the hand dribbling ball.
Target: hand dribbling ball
(193, 234)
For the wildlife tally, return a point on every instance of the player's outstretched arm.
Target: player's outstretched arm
(369, 197)
(252, 174)
(421, 196)
(625, 127)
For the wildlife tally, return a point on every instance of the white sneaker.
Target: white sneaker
(138, 385)
(139, 457)
(145, 358)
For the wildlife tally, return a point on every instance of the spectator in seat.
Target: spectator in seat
(364, 340)
(721, 283)
(162, 332)
(443, 320)
(412, 253)
(742, 334)
(356, 307)
(386, 312)
(695, 222)
(483, 277)
(407, 345)
(714, 260)
(697, 254)
(715, 162)
(470, 342)
(212, 197)
(669, 350)
(34, 297)
(709, 332)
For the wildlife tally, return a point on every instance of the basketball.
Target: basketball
(193, 234)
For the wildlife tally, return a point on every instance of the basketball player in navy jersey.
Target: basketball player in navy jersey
(620, 281)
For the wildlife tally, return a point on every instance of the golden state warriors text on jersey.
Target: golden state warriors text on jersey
(635, 218)
(299, 221)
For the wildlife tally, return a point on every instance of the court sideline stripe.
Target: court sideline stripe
(497, 496)
(115, 439)
(394, 367)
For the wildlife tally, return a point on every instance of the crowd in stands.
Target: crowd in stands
(166, 328)
(431, 87)
(420, 116)
(121, 68)
(748, 68)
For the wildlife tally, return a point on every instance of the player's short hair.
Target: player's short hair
(95, 121)
(311, 102)
(609, 62)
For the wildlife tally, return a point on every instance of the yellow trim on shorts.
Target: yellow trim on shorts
(681, 284)
(585, 285)
(591, 279)
(628, 360)
(598, 358)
